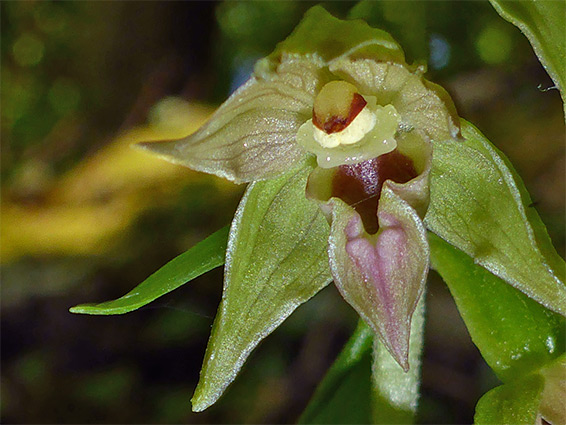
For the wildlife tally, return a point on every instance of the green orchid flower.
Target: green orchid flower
(352, 156)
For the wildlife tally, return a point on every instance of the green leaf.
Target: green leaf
(396, 393)
(514, 403)
(204, 256)
(276, 260)
(479, 204)
(515, 335)
(328, 37)
(544, 24)
(344, 395)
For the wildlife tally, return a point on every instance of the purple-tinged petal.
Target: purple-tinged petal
(382, 276)
(252, 135)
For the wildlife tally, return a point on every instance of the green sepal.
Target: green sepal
(479, 204)
(251, 136)
(515, 335)
(544, 24)
(275, 261)
(204, 256)
(321, 34)
(514, 403)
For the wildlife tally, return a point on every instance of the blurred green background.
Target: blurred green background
(84, 218)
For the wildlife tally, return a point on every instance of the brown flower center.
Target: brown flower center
(359, 185)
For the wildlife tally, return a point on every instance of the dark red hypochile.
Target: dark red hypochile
(359, 185)
(335, 123)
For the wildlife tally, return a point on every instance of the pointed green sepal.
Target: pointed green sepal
(276, 260)
(321, 34)
(252, 135)
(480, 205)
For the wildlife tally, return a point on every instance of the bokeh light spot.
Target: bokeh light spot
(237, 19)
(28, 50)
(494, 44)
(440, 51)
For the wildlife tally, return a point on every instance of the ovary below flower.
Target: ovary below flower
(347, 127)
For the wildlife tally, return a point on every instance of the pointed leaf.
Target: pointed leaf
(328, 37)
(544, 24)
(396, 392)
(204, 256)
(276, 260)
(343, 396)
(515, 334)
(480, 206)
(252, 135)
(382, 276)
(513, 403)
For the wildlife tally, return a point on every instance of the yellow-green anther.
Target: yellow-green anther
(348, 127)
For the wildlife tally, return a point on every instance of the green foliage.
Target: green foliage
(344, 395)
(515, 335)
(514, 403)
(275, 261)
(544, 24)
(204, 256)
(478, 205)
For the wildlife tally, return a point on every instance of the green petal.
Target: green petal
(328, 37)
(276, 260)
(544, 24)
(204, 256)
(513, 403)
(252, 135)
(422, 105)
(381, 276)
(515, 335)
(479, 205)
